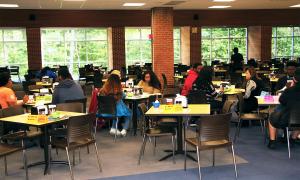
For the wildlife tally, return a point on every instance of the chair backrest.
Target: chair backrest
(106, 105)
(214, 127)
(32, 87)
(12, 111)
(98, 76)
(295, 115)
(81, 72)
(71, 107)
(240, 98)
(20, 94)
(14, 70)
(80, 128)
(82, 101)
(165, 82)
(227, 106)
(197, 97)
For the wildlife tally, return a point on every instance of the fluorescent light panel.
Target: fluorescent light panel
(218, 7)
(9, 5)
(133, 4)
(223, 0)
(296, 6)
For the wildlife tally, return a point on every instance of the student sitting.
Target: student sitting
(282, 83)
(192, 76)
(150, 83)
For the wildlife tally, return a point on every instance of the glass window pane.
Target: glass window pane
(297, 47)
(284, 31)
(220, 49)
(219, 32)
(177, 58)
(274, 31)
(296, 31)
(205, 49)
(96, 34)
(273, 48)
(238, 32)
(145, 33)
(132, 34)
(239, 43)
(176, 33)
(14, 35)
(205, 32)
(284, 47)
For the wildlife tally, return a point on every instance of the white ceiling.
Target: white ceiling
(117, 4)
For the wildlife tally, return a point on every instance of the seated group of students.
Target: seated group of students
(200, 79)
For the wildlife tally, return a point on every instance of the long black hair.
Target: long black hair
(154, 82)
(204, 77)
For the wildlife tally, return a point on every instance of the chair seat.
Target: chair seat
(251, 116)
(208, 144)
(160, 131)
(6, 149)
(62, 143)
(59, 132)
(22, 135)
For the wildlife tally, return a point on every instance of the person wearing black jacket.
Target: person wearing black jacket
(283, 81)
(289, 98)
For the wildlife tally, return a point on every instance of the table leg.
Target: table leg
(46, 150)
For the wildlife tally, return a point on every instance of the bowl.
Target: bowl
(156, 104)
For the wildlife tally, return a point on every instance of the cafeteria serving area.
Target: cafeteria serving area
(161, 89)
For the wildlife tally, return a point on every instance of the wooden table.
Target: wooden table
(23, 119)
(135, 100)
(192, 110)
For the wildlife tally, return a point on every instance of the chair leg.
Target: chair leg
(73, 157)
(98, 157)
(88, 149)
(116, 129)
(25, 162)
(154, 146)
(237, 131)
(56, 151)
(79, 155)
(199, 165)
(213, 157)
(262, 127)
(142, 149)
(70, 166)
(173, 149)
(234, 161)
(185, 156)
(5, 166)
(288, 141)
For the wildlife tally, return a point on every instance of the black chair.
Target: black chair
(98, 76)
(197, 97)
(83, 101)
(82, 74)
(107, 109)
(79, 134)
(4, 69)
(213, 133)
(294, 124)
(154, 132)
(14, 71)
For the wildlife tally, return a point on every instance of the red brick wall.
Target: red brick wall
(118, 47)
(162, 45)
(259, 42)
(195, 49)
(34, 48)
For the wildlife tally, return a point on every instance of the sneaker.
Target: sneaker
(272, 144)
(119, 133)
(113, 131)
(124, 132)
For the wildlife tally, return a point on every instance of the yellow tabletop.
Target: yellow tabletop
(143, 96)
(262, 101)
(192, 110)
(218, 83)
(274, 79)
(234, 91)
(178, 77)
(43, 84)
(23, 119)
(220, 70)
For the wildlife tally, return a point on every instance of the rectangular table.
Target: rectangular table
(23, 119)
(193, 110)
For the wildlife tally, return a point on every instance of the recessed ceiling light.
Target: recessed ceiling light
(9, 5)
(295, 6)
(223, 0)
(219, 7)
(133, 4)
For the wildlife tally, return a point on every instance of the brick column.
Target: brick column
(116, 40)
(162, 45)
(259, 42)
(195, 50)
(34, 48)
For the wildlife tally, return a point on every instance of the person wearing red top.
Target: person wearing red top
(192, 76)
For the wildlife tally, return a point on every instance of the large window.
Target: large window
(13, 48)
(286, 42)
(138, 45)
(176, 37)
(74, 47)
(217, 43)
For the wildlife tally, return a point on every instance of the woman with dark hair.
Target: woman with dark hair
(113, 87)
(150, 83)
(204, 83)
(254, 86)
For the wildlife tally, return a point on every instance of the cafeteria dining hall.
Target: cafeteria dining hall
(149, 89)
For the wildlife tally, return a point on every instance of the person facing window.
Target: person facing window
(204, 83)
(46, 71)
(113, 87)
(67, 89)
(7, 95)
(192, 76)
(150, 83)
(236, 60)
